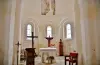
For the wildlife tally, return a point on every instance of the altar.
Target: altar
(46, 53)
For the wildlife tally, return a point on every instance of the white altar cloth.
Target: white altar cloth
(45, 52)
(48, 49)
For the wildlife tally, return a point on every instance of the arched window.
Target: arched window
(49, 31)
(68, 31)
(29, 31)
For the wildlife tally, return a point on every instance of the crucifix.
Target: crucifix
(17, 51)
(49, 40)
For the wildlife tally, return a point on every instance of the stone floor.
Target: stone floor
(58, 61)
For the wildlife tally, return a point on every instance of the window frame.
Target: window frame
(47, 31)
(26, 31)
(66, 29)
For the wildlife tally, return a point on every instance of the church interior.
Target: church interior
(46, 32)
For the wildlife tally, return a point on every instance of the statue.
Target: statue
(61, 48)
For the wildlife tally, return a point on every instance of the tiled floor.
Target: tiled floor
(58, 61)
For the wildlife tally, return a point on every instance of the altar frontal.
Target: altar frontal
(48, 54)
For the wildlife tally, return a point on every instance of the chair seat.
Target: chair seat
(70, 60)
(67, 59)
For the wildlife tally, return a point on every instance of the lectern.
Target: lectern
(61, 48)
(30, 56)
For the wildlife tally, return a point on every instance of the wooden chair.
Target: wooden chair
(73, 58)
(67, 58)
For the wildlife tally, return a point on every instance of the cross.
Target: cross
(49, 40)
(17, 50)
(33, 39)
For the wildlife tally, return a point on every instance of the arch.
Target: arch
(67, 27)
(35, 28)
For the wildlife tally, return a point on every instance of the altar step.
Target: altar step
(59, 61)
